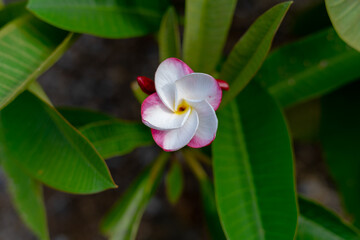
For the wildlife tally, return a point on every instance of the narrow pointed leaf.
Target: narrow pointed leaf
(79, 117)
(106, 18)
(114, 138)
(345, 16)
(339, 134)
(309, 68)
(316, 222)
(206, 27)
(251, 50)
(36, 89)
(123, 220)
(45, 146)
(174, 182)
(27, 197)
(28, 47)
(253, 167)
(169, 36)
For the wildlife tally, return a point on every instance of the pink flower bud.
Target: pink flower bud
(146, 84)
(223, 85)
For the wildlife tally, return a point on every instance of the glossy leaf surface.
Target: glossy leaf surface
(345, 16)
(36, 89)
(254, 200)
(251, 50)
(27, 196)
(339, 134)
(105, 18)
(206, 26)
(169, 36)
(28, 47)
(309, 68)
(123, 220)
(41, 143)
(317, 223)
(113, 138)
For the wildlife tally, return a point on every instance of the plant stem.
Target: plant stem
(194, 165)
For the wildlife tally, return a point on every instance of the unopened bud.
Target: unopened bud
(146, 84)
(223, 85)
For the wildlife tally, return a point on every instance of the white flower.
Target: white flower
(182, 110)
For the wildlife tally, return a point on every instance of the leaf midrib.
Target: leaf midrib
(74, 146)
(241, 142)
(279, 86)
(22, 86)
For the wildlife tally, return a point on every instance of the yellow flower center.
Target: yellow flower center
(183, 106)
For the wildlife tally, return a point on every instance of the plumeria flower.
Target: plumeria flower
(181, 111)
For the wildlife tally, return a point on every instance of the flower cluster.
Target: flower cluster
(181, 109)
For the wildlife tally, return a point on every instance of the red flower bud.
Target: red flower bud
(223, 85)
(146, 84)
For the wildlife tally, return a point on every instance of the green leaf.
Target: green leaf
(345, 17)
(27, 197)
(316, 222)
(123, 220)
(251, 50)
(339, 134)
(79, 117)
(309, 68)
(28, 47)
(174, 182)
(106, 18)
(36, 89)
(42, 144)
(169, 36)
(253, 169)
(114, 138)
(11, 11)
(206, 27)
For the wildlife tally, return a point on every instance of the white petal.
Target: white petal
(172, 140)
(199, 87)
(208, 124)
(168, 72)
(156, 115)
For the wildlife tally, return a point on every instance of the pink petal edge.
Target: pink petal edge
(158, 137)
(197, 142)
(186, 69)
(151, 100)
(218, 96)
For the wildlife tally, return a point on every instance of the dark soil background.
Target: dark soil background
(96, 74)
